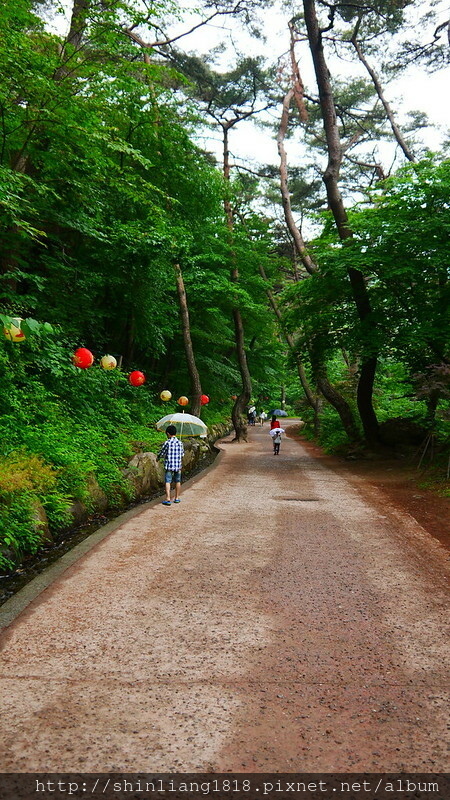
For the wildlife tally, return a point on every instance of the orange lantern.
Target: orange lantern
(13, 331)
(165, 395)
(204, 399)
(83, 358)
(182, 401)
(234, 396)
(136, 378)
(108, 362)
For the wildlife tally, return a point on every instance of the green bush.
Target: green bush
(59, 428)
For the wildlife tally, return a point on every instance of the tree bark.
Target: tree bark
(334, 397)
(74, 38)
(311, 400)
(331, 181)
(340, 405)
(196, 388)
(130, 338)
(297, 237)
(328, 391)
(240, 426)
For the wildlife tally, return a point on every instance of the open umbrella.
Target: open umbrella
(276, 431)
(186, 424)
(278, 412)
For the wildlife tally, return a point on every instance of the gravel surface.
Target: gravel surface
(276, 620)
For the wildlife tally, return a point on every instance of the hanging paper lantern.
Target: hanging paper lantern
(13, 332)
(108, 362)
(136, 378)
(83, 358)
(234, 396)
(204, 399)
(165, 395)
(182, 401)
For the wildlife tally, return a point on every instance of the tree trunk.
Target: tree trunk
(335, 398)
(340, 405)
(297, 237)
(130, 338)
(317, 411)
(432, 401)
(331, 181)
(74, 38)
(240, 426)
(312, 401)
(196, 388)
(364, 394)
(329, 392)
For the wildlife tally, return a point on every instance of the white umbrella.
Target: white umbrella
(274, 431)
(186, 424)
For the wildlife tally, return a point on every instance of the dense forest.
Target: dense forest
(319, 282)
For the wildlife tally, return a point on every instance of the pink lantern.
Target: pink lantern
(204, 399)
(136, 378)
(83, 358)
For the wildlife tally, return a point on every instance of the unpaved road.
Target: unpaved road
(275, 621)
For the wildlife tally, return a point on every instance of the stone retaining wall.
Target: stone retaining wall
(144, 474)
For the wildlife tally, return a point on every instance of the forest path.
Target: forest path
(275, 621)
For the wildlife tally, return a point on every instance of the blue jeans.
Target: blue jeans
(173, 476)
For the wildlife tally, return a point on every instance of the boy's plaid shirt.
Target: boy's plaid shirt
(172, 451)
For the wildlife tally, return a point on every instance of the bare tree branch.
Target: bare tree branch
(379, 90)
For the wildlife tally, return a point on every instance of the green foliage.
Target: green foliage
(24, 477)
(60, 427)
(400, 245)
(102, 191)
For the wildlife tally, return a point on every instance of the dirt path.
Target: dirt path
(276, 620)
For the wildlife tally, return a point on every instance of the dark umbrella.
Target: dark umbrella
(278, 412)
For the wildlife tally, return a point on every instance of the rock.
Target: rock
(78, 512)
(40, 521)
(98, 500)
(145, 473)
(189, 458)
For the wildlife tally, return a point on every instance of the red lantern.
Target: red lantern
(182, 401)
(204, 399)
(136, 378)
(83, 358)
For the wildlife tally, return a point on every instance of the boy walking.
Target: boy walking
(172, 452)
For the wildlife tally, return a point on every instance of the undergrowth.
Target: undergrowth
(61, 428)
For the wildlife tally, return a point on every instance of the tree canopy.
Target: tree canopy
(119, 232)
